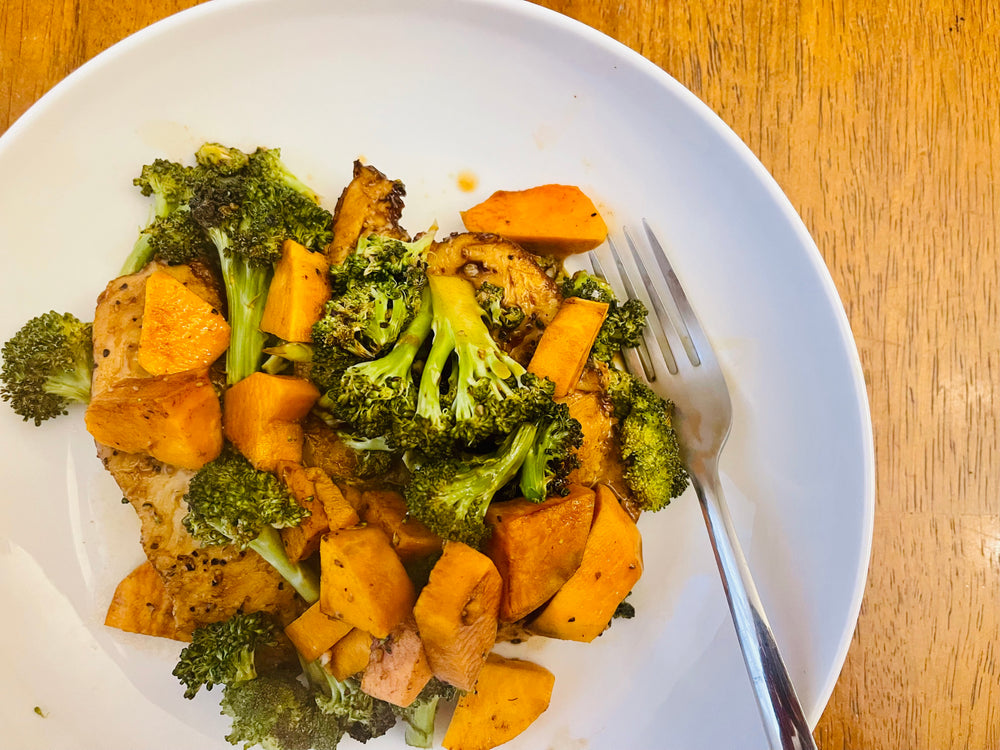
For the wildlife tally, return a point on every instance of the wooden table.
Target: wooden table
(881, 121)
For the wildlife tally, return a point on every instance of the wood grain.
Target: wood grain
(880, 122)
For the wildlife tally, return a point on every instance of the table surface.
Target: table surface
(879, 121)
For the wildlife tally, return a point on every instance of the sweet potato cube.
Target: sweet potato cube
(456, 614)
(298, 293)
(313, 633)
(349, 655)
(564, 348)
(180, 331)
(409, 536)
(612, 564)
(398, 668)
(142, 605)
(302, 541)
(509, 695)
(555, 220)
(262, 415)
(537, 547)
(340, 514)
(174, 418)
(363, 582)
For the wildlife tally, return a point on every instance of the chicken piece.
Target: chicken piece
(207, 583)
(118, 320)
(370, 204)
(482, 258)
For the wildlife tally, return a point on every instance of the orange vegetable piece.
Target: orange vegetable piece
(564, 348)
(456, 613)
(349, 655)
(313, 633)
(141, 604)
(261, 416)
(409, 536)
(362, 581)
(537, 547)
(557, 220)
(340, 514)
(510, 694)
(612, 564)
(302, 541)
(299, 290)
(398, 668)
(175, 418)
(180, 331)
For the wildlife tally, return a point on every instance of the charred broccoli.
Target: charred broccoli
(502, 320)
(231, 502)
(222, 653)
(170, 231)
(234, 209)
(419, 715)
(376, 291)
(654, 469)
(276, 711)
(47, 365)
(450, 494)
(362, 716)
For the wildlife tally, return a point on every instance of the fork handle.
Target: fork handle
(780, 710)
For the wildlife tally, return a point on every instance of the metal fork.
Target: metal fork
(703, 418)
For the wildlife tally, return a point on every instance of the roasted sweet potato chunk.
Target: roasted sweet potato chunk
(298, 292)
(537, 547)
(557, 220)
(509, 695)
(262, 415)
(612, 564)
(363, 581)
(456, 614)
(398, 668)
(175, 418)
(180, 330)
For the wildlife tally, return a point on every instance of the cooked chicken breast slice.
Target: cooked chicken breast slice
(207, 583)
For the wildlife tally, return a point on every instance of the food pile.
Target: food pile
(361, 458)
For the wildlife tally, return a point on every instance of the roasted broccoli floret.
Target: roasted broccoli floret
(625, 322)
(376, 396)
(552, 456)
(420, 715)
(247, 210)
(469, 386)
(47, 365)
(502, 320)
(375, 293)
(234, 209)
(362, 716)
(451, 495)
(170, 229)
(222, 653)
(231, 502)
(276, 711)
(654, 469)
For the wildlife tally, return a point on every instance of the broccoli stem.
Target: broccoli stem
(420, 723)
(74, 384)
(304, 580)
(246, 291)
(142, 253)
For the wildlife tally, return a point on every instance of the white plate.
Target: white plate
(516, 96)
